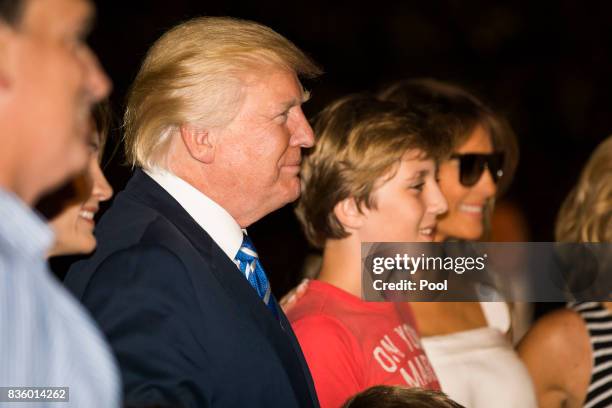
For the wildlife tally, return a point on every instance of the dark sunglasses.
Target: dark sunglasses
(472, 165)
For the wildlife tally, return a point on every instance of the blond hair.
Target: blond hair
(194, 74)
(586, 213)
(359, 140)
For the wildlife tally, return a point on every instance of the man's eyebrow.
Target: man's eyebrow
(296, 102)
(89, 20)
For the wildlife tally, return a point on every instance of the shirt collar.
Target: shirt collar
(209, 215)
(22, 228)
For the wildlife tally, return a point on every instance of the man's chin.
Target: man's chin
(281, 194)
(294, 189)
(289, 195)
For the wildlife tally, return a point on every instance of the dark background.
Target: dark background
(545, 65)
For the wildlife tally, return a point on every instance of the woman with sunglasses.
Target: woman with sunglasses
(569, 352)
(467, 343)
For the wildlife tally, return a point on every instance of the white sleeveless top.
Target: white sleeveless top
(479, 368)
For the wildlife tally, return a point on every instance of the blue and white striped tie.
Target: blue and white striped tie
(248, 262)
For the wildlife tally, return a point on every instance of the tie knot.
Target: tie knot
(247, 252)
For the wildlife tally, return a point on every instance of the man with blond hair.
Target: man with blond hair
(49, 79)
(214, 127)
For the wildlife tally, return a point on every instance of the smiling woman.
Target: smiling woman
(72, 208)
(468, 187)
(466, 342)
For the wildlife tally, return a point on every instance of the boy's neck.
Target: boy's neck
(341, 265)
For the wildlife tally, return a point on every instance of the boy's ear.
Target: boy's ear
(198, 142)
(349, 214)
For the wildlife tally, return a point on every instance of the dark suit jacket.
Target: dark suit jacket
(185, 325)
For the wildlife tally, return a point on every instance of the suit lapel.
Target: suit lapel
(145, 190)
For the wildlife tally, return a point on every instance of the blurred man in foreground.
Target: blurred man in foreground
(49, 80)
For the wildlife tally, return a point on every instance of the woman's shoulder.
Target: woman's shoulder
(560, 330)
(558, 354)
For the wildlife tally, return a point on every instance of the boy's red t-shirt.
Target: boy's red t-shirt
(351, 345)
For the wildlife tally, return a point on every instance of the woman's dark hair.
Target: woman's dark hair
(102, 119)
(385, 396)
(11, 10)
(455, 112)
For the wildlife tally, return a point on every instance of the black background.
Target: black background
(545, 65)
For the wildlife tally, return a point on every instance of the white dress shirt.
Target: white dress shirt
(209, 215)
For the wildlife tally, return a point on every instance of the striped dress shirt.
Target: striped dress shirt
(46, 337)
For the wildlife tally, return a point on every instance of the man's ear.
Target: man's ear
(198, 142)
(349, 214)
